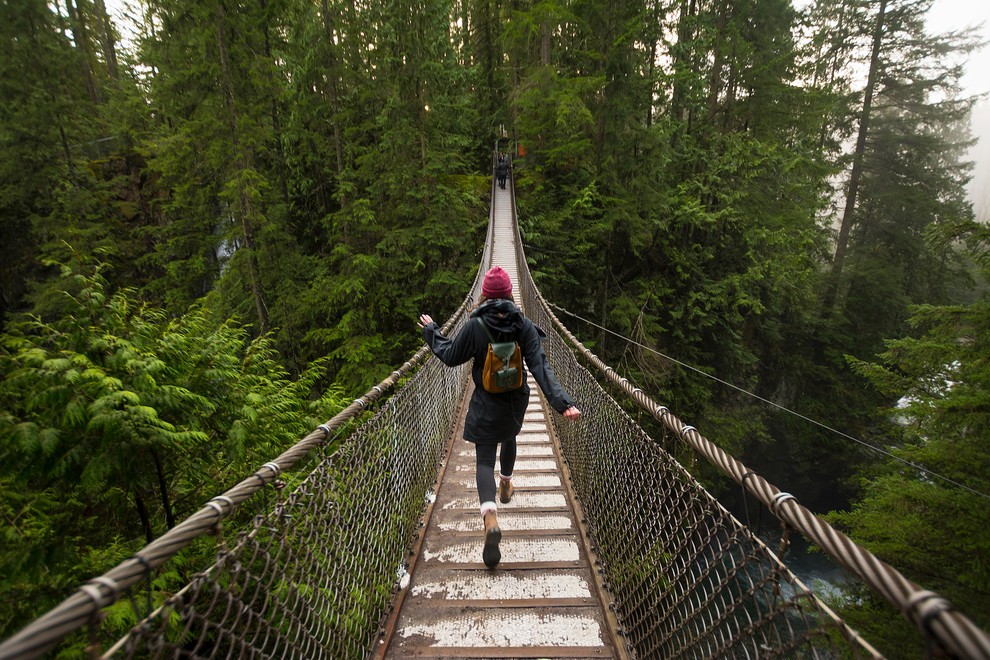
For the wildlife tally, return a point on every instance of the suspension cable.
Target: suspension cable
(879, 450)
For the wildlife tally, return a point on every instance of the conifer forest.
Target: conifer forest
(220, 220)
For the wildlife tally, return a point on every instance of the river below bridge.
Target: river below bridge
(812, 567)
(819, 573)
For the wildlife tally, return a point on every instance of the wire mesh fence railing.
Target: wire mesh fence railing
(688, 579)
(311, 576)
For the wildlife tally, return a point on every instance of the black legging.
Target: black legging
(485, 470)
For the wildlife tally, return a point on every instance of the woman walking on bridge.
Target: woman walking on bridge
(496, 418)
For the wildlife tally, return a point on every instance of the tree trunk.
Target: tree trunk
(683, 63)
(545, 43)
(276, 123)
(731, 90)
(77, 23)
(107, 40)
(466, 54)
(841, 243)
(715, 80)
(149, 533)
(652, 64)
(65, 147)
(163, 490)
(241, 163)
(514, 4)
(331, 87)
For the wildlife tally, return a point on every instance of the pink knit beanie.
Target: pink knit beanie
(497, 284)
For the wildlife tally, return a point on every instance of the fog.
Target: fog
(979, 186)
(946, 15)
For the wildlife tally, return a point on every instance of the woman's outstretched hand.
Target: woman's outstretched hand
(572, 413)
(425, 320)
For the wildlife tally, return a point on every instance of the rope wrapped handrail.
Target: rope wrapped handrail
(81, 607)
(933, 615)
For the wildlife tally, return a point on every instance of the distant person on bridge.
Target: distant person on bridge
(497, 418)
(502, 170)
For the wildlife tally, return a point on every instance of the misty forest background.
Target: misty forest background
(216, 233)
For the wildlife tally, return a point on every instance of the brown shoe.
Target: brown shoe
(493, 536)
(504, 489)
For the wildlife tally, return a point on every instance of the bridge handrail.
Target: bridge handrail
(929, 612)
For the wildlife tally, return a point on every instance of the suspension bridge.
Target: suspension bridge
(364, 539)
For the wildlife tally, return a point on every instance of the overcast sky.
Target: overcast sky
(955, 15)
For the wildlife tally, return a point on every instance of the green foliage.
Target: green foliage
(878, 622)
(909, 517)
(118, 422)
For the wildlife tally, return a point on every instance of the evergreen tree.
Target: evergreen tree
(74, 184)
(46, 123)
(483, 52)
(221, 115)
(914, 177)
(933, 525)
(409, 223)
(692, 225)
(906, 173)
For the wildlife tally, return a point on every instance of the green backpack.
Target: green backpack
(503, 369)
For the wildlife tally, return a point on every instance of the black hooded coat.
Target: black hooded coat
(492, 418)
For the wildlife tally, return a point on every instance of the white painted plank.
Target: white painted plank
(509, 521)
(533, 500)
(513, 550)
(509, 629)
(529, 584)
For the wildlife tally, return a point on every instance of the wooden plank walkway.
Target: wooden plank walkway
(539, 602)
(542, 600)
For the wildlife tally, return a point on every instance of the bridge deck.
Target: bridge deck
(542, 600)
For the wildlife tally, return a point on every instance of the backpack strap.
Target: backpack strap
(488, 332)
(503, 349)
